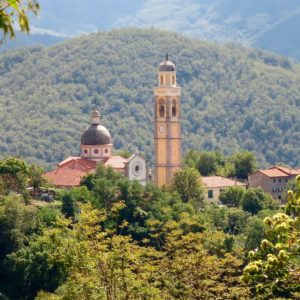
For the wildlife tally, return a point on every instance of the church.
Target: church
(96, 145)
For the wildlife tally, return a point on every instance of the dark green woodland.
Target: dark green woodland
(232, 98)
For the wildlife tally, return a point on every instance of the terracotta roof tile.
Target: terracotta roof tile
(219, 181)
(274, 173)
(288, 170)
(77, 163)
(65, 177)
(116, 162)
(277, 171)
(70, 171)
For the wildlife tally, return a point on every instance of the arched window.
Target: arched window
(161, 105)
(174, 109)
(161, 79)
(173, 80)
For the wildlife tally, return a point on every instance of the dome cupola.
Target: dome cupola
(96, 140)
(167, 65)
(167, 73)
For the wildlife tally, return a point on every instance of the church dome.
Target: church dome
(167, 65)
(96, 134)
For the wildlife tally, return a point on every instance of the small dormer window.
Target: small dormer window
(85, 151)
(96, 151)
(106, 151)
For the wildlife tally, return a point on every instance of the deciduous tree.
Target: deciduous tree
(188, 184)
(16, 11)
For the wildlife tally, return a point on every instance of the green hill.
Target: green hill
(232, 98)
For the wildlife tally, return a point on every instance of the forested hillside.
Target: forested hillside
(232, 98)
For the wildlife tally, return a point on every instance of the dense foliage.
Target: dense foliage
(209, 163)
(115, 239)
(232, 98)
(273, 270)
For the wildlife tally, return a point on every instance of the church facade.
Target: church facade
(96, 148)
(96, 145)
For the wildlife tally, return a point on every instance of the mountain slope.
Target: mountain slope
(232, 98)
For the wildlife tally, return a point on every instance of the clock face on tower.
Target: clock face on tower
(161, 128)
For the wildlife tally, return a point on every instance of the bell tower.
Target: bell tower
(167, 127)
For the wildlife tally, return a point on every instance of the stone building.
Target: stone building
(273, 180)
(214, 185)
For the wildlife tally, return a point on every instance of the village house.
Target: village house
(273, 180)
(214, 185)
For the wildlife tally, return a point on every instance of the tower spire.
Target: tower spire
(167, 56)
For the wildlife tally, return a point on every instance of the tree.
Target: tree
(187, 183)
(255, 233)
(255, 199)
(232, 196)
(207, 163)
(69, 205)
(36, 178)
(14, 174)
(12, 10)
(244, 163)
(236, 221)
(17, 222)
(274, 268)
(190, 272)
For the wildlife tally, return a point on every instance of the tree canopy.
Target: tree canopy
(113, 238)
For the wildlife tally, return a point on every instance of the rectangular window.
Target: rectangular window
(210, 194)
(274, 180)
(279, 180)
(286, 180)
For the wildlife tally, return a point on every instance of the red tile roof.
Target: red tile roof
(116, 162)
(70, 171)
(278, 171)
(64, 177)
(274, 173)
(288, 170)
(78, 163)
(220, 182)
